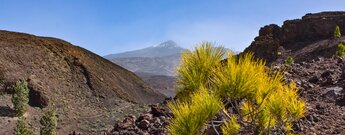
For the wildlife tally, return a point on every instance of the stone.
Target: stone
(145, 116)
(36, 96)
(343, 72)
(156, 111)
(327, 74)
(333, 93)
(144, 124)
(127, 123)
(314, 79)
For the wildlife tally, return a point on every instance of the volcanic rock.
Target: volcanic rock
(147, 123)
(299, 38)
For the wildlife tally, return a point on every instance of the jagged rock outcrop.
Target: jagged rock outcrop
(275, 43)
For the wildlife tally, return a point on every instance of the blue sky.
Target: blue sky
(112, 26)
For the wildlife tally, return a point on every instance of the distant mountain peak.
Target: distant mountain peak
(168, 44)
(166, 48)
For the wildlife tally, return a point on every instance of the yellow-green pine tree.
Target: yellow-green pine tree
(337, 33)
(21, 128)
(20, 98)
(49, 123)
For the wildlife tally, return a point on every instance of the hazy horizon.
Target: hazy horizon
(109, 27)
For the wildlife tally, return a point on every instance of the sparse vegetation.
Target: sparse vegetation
(341, 50)
(197, 67)
(190, 117)
(341, 47)
(49, 123)
(289, 60)
(21, 128)
(261, 102)
(337, 33)
(20, 98)
(231, 127)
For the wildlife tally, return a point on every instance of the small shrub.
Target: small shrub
(231, 127)
(191, 116)
(261, 101)
(341, 50)
(49, 123)
(289, 60)
(21, 128)
(196, 68)
(337, 33)
(20, 98)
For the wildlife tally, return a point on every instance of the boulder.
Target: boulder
(36, 94)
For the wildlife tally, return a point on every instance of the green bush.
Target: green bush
(231, 127)
(204, 106)
(337, 33)
(20, 98)
(49, 123)
(289, 60)
(196, 68)
(341, 50)
(21, 128)
(261, 101)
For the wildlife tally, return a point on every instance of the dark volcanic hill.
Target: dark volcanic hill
(305, 39)
(163, 84)
(165, 65)
(84, 87)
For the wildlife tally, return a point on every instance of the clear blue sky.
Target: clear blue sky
(112, 26)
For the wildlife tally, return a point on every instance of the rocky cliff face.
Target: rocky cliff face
(275, 43)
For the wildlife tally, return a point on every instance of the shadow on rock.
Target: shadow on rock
(341, 102)
(6, 111)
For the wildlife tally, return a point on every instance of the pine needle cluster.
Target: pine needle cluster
(231, 127)
(196, 68)
(191, 116)
(260, 100)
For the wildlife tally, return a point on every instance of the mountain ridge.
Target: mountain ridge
(163, 49)
(161, 59)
